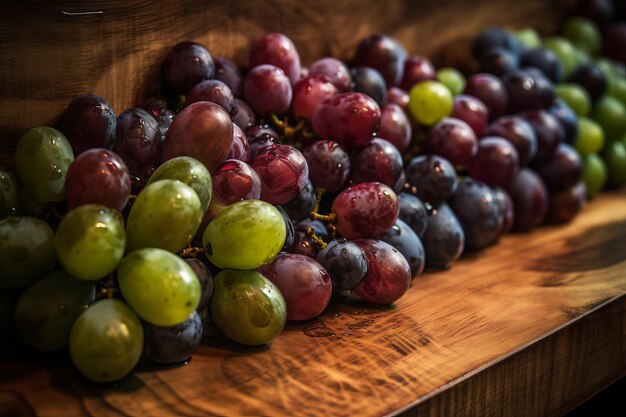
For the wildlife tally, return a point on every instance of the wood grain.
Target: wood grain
(531, 326)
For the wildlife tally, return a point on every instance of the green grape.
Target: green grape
(610, 114)
(106, 341)
(575, 96)
(90, 241)
(166, 215)
(610, 68)
(584, 34)
(594, 174)
(26, 250)
(564, 50)
(47, 309)
(614, 156)
(581, 57)
(9, 198)
(430, 101)
(617, 88)
(247, 307)
(190, 171)
(245, 235)
(42, 158)
(528, 37)
(451, 78)
(159, 285)
(27, 204)
(590, 138)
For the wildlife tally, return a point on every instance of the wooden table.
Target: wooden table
(530, 327)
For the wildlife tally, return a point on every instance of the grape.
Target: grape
(594, 174)
(300, 207)
(530, 200)
(405, 240)
(334, 71)
(472, 111)
(260, 136)
(451, 78)
(90, 241)
(329, 165)
(492, 37)
(268, 90)
(203, 131)
(290, 233)
(610, 114)
(388, 274)
(9, 198)
(235, 180)
(214, 91)
(283, 172)
(444, 239)
(164, 116)
(431, 177)
(227, 72)
(186, 64)
(98, 176)
(245, 235)
(548, 130)
(26, 250)
(245, 116)
(89, 122)
(528, 91)
(349, 119)
(47, 309)
(42, 158)
(528, 38)
(159, 286)
(173, 344)
(239, 149)
(413, 213)
(490, 90)
(590, 137)
(583, 33)
(429, 102)
(308, 93)
(384, 54)
(576, 97)
(369, 81)
(278, 50)
(398, 96)
(379, 161)
(345, 262)
(303, 282)
(496, 162)
(599, 11)
(564, 170)
(106, 341)
(303, 242)
(166, 214)
(416, 70)
(395, 126)
(504, 201)
(614, 156)
(567, 118)
(452, 139)
(519, 132)
(567, 203)
(139, 143)
(564, 50)
(189, 171)
(206, 282)
(591, 79)
(498, 60)
(478, 212)
(247, 307)
(545, 60)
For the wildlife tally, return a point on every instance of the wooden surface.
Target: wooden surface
(530, 327)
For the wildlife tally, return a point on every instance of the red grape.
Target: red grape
(186, 64)
(416, 69)
(329, 165)
(215, 91)
(235, 180)
(89, 122)
(308, 93)
(334, 71)
(278, 50)
(379, 161)
(519, 132)
(453, 139)
(384, 54)
(472, 111)
(267, 90)
(490, 90)
(496, 162)
(283, 172)
(530, 200)
(239, 149)
(227, 72)
(395, 126)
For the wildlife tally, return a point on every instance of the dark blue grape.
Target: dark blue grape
(300, 207)
(492, 37)
(568, 119)
(290, 231)
(175, 344)
(369, 81)
(545, 60)
(345, 262)
(413, 213)
(498, 60)
(206, 281)
(444, 239)
(406, 241)
(431, 178)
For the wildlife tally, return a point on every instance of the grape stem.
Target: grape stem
(288, 131)
(191, 251)
(311, 234)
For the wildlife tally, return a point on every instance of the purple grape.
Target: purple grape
(227, 72)
(503, 199)
(492, 37)
(245, 116)
(89, 122)
(98, 176)
(530, 200)
(303, 243)
(345, 262)
(416, 69)
(388, 275)
(395, 126)
(334, 71)
(568, 119)
(164, 116)
(283, 172)
(350, 119)
(379, 161)
(528, 91)
(260, 136)
(472, 111)
(591, 79)
(563, 170)
(384, 54)
(490, 90)
(303, 282)
(239, 149)
(308, 93)
(365, 210)
(478, 212)
(498, 60)
(303, 204)
(329, 165)
(267, 90)
(278, 50)
(396, 95)
(452, 139)
(290, 234)
(171, 345)
(235, 180)
(206, 282)
(432, 178)
(413, 213)
(369, 81)
(564, 205)
(215, 91)
(186, 64)
(496, 163)
(545, 60)
(444, 239)
(405, 240)
(548, 130)
(519, 132)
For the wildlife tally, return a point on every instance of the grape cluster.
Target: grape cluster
(246, 199)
